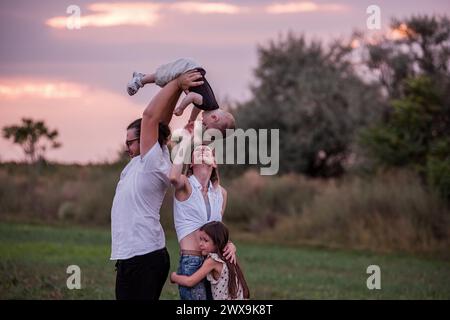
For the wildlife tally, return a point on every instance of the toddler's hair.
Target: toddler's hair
(226, 121)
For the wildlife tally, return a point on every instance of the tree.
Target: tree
(34, 137)
(414, 68)
(417, 133)
(313, 96)
(419, 45)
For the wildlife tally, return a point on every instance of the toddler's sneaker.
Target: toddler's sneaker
(135, 83)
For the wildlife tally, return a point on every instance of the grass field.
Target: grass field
(33, 262)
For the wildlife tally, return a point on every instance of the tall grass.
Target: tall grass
(390, 211)
(257, 202)
(58, 193)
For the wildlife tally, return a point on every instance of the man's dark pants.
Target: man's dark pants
(142, 277)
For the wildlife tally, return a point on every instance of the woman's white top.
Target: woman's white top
(192, 213)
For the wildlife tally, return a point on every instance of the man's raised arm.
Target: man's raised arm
(160, 108)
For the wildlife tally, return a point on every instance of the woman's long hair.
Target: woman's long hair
(219, 234)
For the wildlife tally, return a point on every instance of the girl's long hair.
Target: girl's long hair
(219, 234)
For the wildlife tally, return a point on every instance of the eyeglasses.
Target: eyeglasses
(130, 142)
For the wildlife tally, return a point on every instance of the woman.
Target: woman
(198, 199)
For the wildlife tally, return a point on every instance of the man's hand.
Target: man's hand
(229, 252)
(188, 79)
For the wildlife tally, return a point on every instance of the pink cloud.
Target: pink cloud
(206, 8)
(91, 125)
(113, 14)
(48, 90)
(302, 6)
(138, 13)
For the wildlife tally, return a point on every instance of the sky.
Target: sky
(75, 79)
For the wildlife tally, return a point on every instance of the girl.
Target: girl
(227, 279)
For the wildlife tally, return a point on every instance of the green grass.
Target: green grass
(33, 262)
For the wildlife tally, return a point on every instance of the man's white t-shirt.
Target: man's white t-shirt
(135, 218)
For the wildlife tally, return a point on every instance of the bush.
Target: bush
(438, 168)
(58, 192)
(390, 212)
(416, 135)
(257, 202)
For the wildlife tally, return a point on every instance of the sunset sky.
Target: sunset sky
(75, 79)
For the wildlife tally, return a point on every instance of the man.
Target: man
(138, 240)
